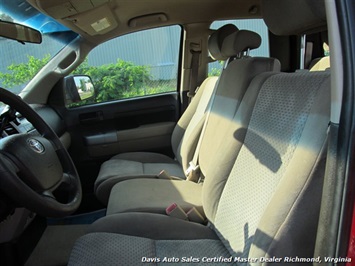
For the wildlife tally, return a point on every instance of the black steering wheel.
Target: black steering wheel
(36, 171)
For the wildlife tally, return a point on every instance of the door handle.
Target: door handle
(92, 117)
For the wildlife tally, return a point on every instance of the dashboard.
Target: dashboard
(13, 123)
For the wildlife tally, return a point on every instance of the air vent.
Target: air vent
(21, 125)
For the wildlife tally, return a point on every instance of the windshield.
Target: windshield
(21, 62)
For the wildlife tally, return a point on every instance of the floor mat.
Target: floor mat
(56, 244)
(86, 218)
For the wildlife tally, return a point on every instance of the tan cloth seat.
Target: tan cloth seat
(266, 205)
(263, 198)
(320, 64)
(135, 165)
(222, 122)
(184, 139)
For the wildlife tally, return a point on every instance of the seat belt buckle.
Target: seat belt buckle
(176, 211)
(195, 216)
(165, 175)
(193, 172)
(191, 94)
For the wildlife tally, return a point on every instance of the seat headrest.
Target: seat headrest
(239, 42)
(290, 17)
(216, 40)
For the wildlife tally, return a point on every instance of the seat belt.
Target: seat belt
(193, 172)
(195, 61)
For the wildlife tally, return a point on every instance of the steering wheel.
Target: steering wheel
(36, 171)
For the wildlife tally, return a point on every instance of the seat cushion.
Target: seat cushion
(133, 165)
(153, 226)
(115, 249)
(130, 238)
(154, 195)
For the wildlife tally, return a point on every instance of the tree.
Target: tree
(216, 72)
(5, 17)
(112, 81)
(23, 72)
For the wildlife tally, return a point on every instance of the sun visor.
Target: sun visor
(294, 17)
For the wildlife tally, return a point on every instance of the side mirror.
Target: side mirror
(78, 88)
(18, 32)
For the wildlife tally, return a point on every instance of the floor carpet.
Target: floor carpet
(55, 246)
(85, 218)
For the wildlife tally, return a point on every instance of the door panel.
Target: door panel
(103, 130)
(145, 137)
(135, 105)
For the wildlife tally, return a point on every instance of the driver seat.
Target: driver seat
(185, 136)
(266, 206)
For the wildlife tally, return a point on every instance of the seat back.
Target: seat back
(187, 131)
(227, 43)
(268, 204)
(320, 64)
(233, 83)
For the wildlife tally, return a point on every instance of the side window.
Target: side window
(256, 25)
(134, 65)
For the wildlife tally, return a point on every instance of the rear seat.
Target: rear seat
(154, 195)
(184, 137)
(320, 64)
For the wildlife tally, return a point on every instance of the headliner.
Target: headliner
(125, 16)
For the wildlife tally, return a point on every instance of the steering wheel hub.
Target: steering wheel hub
(36, 145)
